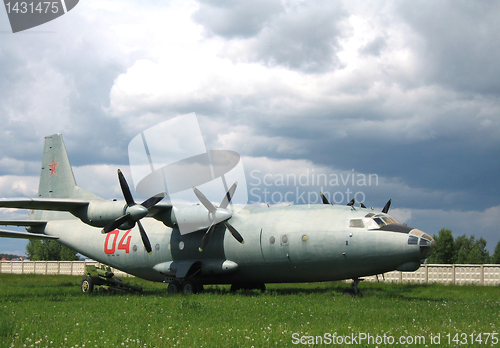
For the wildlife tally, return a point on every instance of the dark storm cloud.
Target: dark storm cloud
(232, 19)
(301, 36)
(436, 125)
(433, 147)
(374, 47)
(58, 83)
(305, 38)
(461, 47)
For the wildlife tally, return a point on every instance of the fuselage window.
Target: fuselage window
(356, 223)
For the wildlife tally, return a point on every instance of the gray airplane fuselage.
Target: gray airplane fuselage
(298, 243)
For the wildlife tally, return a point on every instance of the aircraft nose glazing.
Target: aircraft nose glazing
(425, 242)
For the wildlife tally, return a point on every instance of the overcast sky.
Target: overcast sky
(405, 91)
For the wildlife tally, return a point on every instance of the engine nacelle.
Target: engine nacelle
(101, 213)
(180, 269)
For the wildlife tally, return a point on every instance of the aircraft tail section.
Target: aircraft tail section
(56, 178)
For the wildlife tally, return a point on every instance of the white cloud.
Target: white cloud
(101, 179)
(18, 186)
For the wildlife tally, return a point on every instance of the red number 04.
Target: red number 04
(122, 245)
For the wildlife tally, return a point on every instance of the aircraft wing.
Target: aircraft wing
(34, 223)
(59, 204)
(24, 235)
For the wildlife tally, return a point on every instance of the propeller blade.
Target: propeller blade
(386, 207)
(144, 237)
(206, 237)
(228, 196)
(323, 198)
(204, 200)
(351, 203)
(113, 225)
(235, 233)
(362, 205)
(125, 189)
(153, 200)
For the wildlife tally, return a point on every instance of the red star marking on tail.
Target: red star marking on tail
(53, 166)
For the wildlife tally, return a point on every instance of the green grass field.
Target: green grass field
(50, 311)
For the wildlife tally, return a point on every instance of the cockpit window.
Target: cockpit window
(387, 220)
(356, 223)
(379, 221)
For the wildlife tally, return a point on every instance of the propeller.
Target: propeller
(351, 202)
(362, 205)
(134, 212)
(218, 215)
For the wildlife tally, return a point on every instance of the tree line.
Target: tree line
(49, 250)
(462, 250)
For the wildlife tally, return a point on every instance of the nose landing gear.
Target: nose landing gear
(354, 291)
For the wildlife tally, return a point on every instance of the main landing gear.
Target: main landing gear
(354, 291)
(186, 287)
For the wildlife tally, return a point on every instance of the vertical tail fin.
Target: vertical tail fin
(57, 179)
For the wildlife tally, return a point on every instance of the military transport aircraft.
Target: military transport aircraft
(256, 245)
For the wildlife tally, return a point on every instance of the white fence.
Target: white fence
(448, 274)
(52, 267)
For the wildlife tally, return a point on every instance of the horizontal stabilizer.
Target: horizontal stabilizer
(24, 235)
(58, 204)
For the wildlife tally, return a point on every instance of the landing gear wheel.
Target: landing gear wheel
(350, 292)
(189, 288)
(354, 291)
(262, 287)
(87, 285)
(173, 288)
